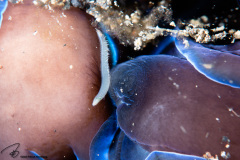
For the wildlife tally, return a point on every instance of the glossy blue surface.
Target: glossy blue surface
(218, 63)
(3, 6)
(157, 155)
(120, 147)
(101, 143)
(164, 103)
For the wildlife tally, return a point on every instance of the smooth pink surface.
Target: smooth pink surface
(49, 77)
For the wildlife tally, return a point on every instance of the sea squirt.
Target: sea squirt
(164, 104)
(219, 63)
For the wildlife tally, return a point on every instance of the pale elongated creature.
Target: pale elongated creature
(105, 82)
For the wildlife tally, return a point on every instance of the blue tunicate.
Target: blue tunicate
(163, 102)
(218, 63)
(131, 150)
(101, 143)
(3, 6)
(171, 156)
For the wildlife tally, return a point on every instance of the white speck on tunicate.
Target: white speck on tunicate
(71, 27)
(179, 93)
(170, 78)
(136, 94)
(19, 129)
(71, 67)
(121, 90)
(174, 69)
(176, 85)
(207, 66)
(10, 18)
(227, 146)
(225, 61)
(219, 96)
(207, 134)
(231, 81)
(98, 155)
(64, 15)
(35, 33)
(131, 130)
(58, 22)
(184, 96)
(217, 119)
(132, 124)
(196, 86)
(235, 113)
(183, 129)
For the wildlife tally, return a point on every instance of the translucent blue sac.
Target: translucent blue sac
(99, 149)
(219, 63)
(164, 103)
(123, 148)
(3, 6)
(157, 155)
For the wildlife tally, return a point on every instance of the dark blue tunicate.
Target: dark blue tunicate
(158, 155)
(3, 6)
(101, 143)
(123, 148)
(218, 63)
(125, 90)
(163, 102)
